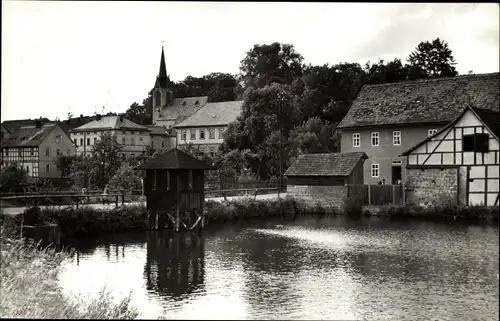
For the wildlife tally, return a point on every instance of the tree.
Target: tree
(13, 178)
(63, 163)
(125, 178)
(314, 136)
(265, 64)
(106, 153)
(381, 72)
(432, 59)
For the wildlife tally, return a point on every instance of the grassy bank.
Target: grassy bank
(28, 276)
(473, 214)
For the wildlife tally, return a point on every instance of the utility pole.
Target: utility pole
(280, 105)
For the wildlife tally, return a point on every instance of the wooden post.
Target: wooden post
(156, 220)
(393, 194)
(123, 198)
(177, 209)
(225, 195)
(202, 218)
(77, 202)
(116, 200)
(369, 195)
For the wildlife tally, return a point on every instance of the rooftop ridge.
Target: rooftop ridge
(437, 79)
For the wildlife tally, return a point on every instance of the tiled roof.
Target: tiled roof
(214, 114)
(28, 136)
(111, 122)
(422, 101)
(158, 130)
(181, 108)
(175, 159)
(14, 125)
(325, 164)
(490, 118)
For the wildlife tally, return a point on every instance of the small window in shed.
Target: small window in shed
(190, 180)
(153, 182)
(475, 143)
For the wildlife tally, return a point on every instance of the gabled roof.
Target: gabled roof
(214, 114)
(437, 100)
(181, 108)
(5, 129)
(325, 164)
(175, 159)
(491, 119)
(14, 125)
(110, 122)
(29, 136)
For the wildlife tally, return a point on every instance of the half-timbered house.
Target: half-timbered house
(459, 164)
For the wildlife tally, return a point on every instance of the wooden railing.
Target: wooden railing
(377, 194)
(236, 192)
(74, 198)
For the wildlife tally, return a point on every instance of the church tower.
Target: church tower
(160, 91)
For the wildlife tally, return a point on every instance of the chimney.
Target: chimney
(81, 116)
(98, 117)
(38, 123)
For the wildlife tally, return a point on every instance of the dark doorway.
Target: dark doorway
(396, 174)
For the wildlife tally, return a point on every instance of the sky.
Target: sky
(78, 57)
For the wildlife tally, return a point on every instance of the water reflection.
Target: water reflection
(312, 268)
(175, 263)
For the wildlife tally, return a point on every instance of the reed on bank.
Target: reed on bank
(28, 277)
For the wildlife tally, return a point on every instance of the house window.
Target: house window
(396, 137)
(221, 133)
(95, 140)
(212, 150)
(35, 171)
(81, 141)
(58, 139)
(478, 143)
(375, 139)
(211, 133)
(141, 139)
(375, 170)
(27, 169)
(356, 140)
(88, 141)
(132, 141)
(58, 152)
(132, 155)
(47, 168)
(202, 133)
(431, 132)
(183, 134)
(124, 156)
(192, 134)
(75, 141)
(123, 140)
(47, 151)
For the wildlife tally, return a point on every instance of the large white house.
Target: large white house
(133, 138)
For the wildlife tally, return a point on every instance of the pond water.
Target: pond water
(311, 268)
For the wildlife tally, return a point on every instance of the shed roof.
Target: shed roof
(437, 100)
(490, 118)
(175, 159)
(29, 136)
(214, 114)
(325, 164)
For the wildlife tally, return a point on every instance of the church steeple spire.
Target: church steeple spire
(163, 68)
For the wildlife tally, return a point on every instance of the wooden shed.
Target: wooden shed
(324, 177)
(174, 186)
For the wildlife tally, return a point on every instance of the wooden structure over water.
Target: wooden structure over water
(174, 188)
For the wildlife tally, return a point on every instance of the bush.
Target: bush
(29, 275)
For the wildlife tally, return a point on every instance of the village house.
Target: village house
(324, 177)
(133, 138)
(196, 120)
(161, 138)
(459, 164)
(36, 149)
(205, 128)
(5, 132)
(385, 120)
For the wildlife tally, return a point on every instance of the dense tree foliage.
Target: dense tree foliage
(433, 59)
(12, 179)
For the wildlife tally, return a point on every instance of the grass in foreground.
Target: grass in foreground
(28, 278)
